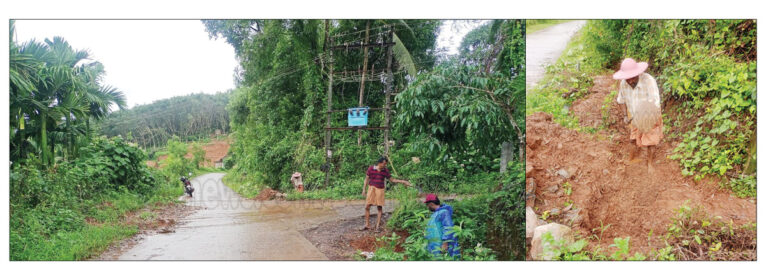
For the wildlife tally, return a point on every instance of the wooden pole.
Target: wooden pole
(328, 114)
(387, 92)
(362, 79)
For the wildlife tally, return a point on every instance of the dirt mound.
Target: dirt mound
(215, 151)
(589, 109)
(267, 194)
(364, 243)
(609, 194)
(341, 240)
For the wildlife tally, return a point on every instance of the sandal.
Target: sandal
(364, 228)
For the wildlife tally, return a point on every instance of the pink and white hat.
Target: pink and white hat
(630, 68)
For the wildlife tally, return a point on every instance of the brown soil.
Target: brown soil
(607, 189)
(343, 240)
(214, 151)
(268, 194)
(166, 218)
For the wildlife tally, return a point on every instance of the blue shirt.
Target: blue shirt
(440, 230)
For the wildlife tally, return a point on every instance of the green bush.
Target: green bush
(75, 209)
(706, 66)
(489, 226)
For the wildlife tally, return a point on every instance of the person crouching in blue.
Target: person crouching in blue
(439, 233)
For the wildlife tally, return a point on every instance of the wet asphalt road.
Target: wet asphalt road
(229, 227)
(544, 47)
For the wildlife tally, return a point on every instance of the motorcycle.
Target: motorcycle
(188, 189)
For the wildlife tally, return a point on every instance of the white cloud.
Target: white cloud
(146, 59)
(453, 31)
(154, 59)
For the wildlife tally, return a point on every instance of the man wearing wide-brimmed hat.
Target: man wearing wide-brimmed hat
(639, 96)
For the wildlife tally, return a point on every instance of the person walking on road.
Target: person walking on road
(375, 181)
(641, 102)
(439, 231)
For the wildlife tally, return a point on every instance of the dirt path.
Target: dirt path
(544, 47)
(606, 189)
(228, 227)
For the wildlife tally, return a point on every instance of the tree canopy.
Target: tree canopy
(55, 93)
(188, 117)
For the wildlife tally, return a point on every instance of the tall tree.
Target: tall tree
(55, 90)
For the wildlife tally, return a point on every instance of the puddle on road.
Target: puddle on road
(229, 227)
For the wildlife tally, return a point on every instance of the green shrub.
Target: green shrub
(77, 208)
(708, 66)
(489, 226)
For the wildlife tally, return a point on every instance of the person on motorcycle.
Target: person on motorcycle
(187, 186)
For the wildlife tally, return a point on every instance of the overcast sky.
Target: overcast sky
(155, 59)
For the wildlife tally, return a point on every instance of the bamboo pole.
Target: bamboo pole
(362, 78)
(328, 114)
(388, 91)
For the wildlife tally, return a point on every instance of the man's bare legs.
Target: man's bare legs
(650, 158)
(367, 217)
(634, 151)
(378, 218)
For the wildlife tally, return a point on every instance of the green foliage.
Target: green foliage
(124, 164)
(535, 25)
(707, 67)
(281, 132)
(742, 186)
(726, 93)
(605, 110)
(245, 187)
(469, 104)
(177, 163)
(190, 117)
(198, 155)
(690, 232)
(697, 232)
(489, 226)
(55, 93)
(567, 80)
(561, 250)
(342, 189)
(575, 251)
(76, 209)
(451, 120)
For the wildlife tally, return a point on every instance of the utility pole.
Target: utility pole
(388, 91)
(343, 77)
(328, 111)
(362, 78)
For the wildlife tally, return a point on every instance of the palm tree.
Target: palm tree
(23, 71)
(57, 90)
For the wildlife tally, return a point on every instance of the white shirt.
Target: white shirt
(646, 89)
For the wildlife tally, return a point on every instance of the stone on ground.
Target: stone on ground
(558, 231)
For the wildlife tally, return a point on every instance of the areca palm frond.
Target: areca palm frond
(55, 90)
(64, 54)
(102, 98)
(403, 56)
(400, 52)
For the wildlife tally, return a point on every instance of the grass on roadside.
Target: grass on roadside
(534, 25)
(104, 223)
(566, 81)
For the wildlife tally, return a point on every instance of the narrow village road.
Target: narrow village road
(544, 47)
(229, 227)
